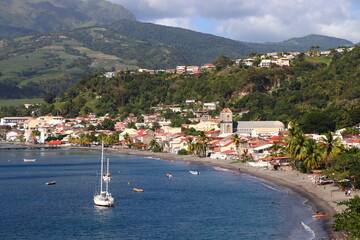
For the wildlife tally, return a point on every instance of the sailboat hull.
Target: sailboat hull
(100, 200)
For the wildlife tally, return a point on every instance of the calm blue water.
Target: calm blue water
(213, 205)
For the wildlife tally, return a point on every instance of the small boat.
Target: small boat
(139, 190)
(319, 215)
(169, 175)
(104, 198)
(29, 160)
(194, 172)
(51, 183)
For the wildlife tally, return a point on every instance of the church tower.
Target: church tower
(226, 121)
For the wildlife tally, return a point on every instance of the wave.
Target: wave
(268, 186)
(154, 158)
(309, 230)
(221, 169)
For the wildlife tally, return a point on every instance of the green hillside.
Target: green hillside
(32, 65)
(321, 97)
(21, 17)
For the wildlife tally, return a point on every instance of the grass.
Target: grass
(322, 59)
(19, 102)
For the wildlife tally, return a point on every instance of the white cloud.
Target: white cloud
(177, 22)
(255, 20)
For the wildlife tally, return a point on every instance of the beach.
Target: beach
(322, 198)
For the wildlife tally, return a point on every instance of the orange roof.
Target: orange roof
(228, 151)
(226, 110)
(54, 142)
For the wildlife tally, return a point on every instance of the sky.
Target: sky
(254, 20)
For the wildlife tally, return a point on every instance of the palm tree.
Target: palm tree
(202, 142)
(277, 149)
(332, 147)
(312, 157)
(236, 140)
(155, 146)
(295, 144)
(190, 145)
(127, 140)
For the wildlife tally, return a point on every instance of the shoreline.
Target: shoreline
(321, 198)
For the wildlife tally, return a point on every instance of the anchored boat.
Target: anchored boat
(104, 198)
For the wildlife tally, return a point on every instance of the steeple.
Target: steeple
(226, 121)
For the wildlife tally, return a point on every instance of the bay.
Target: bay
(212, 205)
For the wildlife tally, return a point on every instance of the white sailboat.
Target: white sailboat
(104, 198)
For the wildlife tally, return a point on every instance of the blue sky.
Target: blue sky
(255, 20)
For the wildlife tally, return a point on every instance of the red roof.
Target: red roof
(139, 145)
(228, 151)
(55, 142)
(227, 144)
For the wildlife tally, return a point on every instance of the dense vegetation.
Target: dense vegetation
(19, 17)
(33, 65)
(319, 97)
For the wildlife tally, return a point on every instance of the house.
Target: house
(192, 68)
(207, 66)
(265, 63)
(13, 121)
(205, 126)
(210, 106)
(248, 61)
(190, 101)
(254, 128)
(13, 136)
(180, 69)
(283, 62)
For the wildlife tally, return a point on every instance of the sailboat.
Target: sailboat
(104, 198)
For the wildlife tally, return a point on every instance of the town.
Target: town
(219, 137)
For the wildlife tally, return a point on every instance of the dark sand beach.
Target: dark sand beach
(323, 198)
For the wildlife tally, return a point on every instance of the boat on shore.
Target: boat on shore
(104, 198)
(319, 215)
(138, 190)
(51, 183)
(194, 172)
(29, 160)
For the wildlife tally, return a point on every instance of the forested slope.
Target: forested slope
(313, 93)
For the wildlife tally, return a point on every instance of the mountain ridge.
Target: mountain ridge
(52, 15)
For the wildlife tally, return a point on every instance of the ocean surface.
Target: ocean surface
(217, 204)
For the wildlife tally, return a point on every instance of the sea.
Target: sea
(216, 204)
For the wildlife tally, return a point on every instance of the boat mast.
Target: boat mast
(102, 167)
(107, 176)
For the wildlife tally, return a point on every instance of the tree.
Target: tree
(295, 143)
(202, 142)
(222, 61)
(127, 140)
(350, 131)
(155, 146)
(346, 165)
(155, 126)
(277, 149)
(349, 219)
(190, 145)
(331, 148)
(49, 98)
(312, 157)
(236, 140)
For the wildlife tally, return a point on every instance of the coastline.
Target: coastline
(321, 198)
